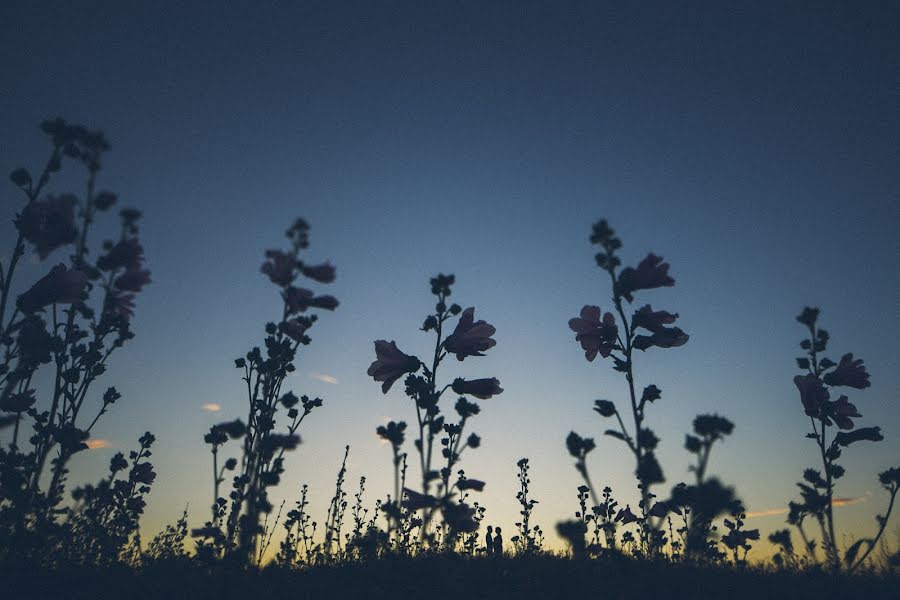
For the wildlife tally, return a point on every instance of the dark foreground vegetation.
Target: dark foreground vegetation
(426, 536)
(451, 577)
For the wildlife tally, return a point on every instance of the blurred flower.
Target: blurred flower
(470, 338)
(579, 446)
(17, 403)
(666, 337)
(125, 254)
(813, 394)
(143, 473)
(324, 273)
(604, 408)
(393, 432)
(390, 364)
(596, 336)
(480, 388)
(650, 273)
(49, 223)
(133, 280)
(849, 372)
(60, 286)
(470, 484)
(415, 501)
(119, 304)
(808, 316)
(279, 266)
(300, 299)
(625, 516)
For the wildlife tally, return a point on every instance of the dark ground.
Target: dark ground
(458, 578)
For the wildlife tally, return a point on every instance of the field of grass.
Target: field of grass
(447, 577)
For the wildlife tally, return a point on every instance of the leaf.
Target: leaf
(616, 434)
(803, 363)
(852, 551)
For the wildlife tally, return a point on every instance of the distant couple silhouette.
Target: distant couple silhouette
(493, 542)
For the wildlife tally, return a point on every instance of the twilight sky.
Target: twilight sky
(755, 149)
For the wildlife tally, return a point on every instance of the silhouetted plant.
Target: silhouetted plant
(69, 322)
(738, 538)
(701, 503)
(168, 544)
(817, 490)
(469, 338)
(600, 333)
(262, 458)
(530, 537)
(105, 518)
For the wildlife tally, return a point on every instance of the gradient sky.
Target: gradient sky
(755, 149)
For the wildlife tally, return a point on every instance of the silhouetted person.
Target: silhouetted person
(489, 541)
(498, 544)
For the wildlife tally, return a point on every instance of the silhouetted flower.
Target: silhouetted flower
(125, 254)
(390, 364)
(133, 280)
(393, 432)
(17, 403)
(415, 501)
(470, 484)
(625, 516)
(300, 299)
(49, 223)
(651, 320)
(849, 373)
(871, 434)
(650, 273)
(143, 473)
(60, 286)
(596, 336)
(480, 388)
(119, 304)
(578, 446)
(840, 410)
(279, 266)
(296, 328)
(278, 441)
(665, 337)
(324, 273)
(808, 316)
(605, 408)
(890, 477)
(813, 394)
(470, 338)
(712, 426)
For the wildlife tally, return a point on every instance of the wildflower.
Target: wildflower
(390, 364)
(324, 273)
(808, 316)
(578, 446)
(604, 408)
(415, 501)
(666, 337)
(300, 299)
(849, 372)
(125, 254)
(60, 286)
(470, 338)
(17, 403)
(49, 223)
(393, 432)
(871, 434)
(625, 516)
(650, 273)
(470, 484)
(813, 394)
(143, 473)
(840, 410)
(132, 280)
(480, 388)
(651, 320)
(596, 336)
(279, 266)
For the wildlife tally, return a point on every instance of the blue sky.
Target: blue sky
(755, 149)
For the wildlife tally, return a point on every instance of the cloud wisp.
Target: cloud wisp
(330, 379)
(836, 502)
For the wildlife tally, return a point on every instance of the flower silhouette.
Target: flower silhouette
(391, 364)
(596, 335)
(60, 286)
(813, 394)
(480, 388)
(650, 273)
(279, 266)
(49, 223)
(849, 373)
(470, 338)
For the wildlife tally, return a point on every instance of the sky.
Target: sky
(755, 148)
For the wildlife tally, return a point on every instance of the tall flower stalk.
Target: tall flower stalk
(822, 376)
(262, 457)
(617, 337)
(469, 338)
